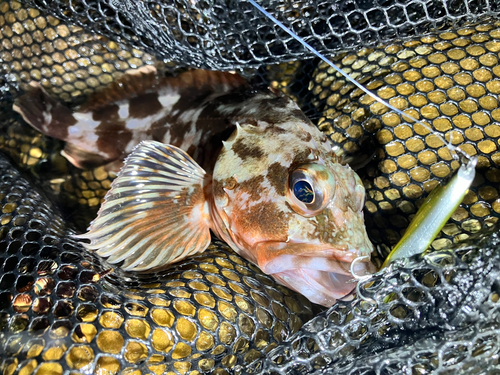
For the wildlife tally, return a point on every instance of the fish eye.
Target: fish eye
(310, 188)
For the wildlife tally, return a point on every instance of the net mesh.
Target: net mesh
(432, 315)
(62, 308)
(224, 35)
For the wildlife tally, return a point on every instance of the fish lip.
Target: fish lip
(320, 287)
(288, 262)
(274, 257)
(321, 273)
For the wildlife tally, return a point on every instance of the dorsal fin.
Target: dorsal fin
(132, 83)
(146, 80)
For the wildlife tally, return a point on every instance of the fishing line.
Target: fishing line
(453, 150)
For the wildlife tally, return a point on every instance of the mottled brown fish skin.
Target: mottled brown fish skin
(195, 111)
(181, 111)
(254, 209)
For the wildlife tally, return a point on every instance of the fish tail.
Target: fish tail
(52, 118)
(43, 112)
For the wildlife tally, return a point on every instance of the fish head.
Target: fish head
(283, 200)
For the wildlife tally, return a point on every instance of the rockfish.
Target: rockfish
(205, 151)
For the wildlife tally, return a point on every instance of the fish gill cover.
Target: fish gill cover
(62, 310)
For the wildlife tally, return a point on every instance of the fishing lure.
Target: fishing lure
(434, 213)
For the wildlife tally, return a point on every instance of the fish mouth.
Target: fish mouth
(320, 273)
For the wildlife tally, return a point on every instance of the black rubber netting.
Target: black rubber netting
(62, 309)
(439, 314)
(226, 35)
(433, 315)
(233, 35)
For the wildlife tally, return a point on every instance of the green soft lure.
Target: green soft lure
(434, 214)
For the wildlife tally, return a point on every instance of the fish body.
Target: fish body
(208, 152)
(140, 106)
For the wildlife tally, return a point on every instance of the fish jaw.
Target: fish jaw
(319, 272)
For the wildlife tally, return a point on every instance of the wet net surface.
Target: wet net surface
(448, 81)
(232, 34)
(448, 78)
(62, 312)
(62, 309)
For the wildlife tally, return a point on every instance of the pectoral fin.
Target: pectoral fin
(156, 211)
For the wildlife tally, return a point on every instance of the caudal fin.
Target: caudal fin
(44, 113)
